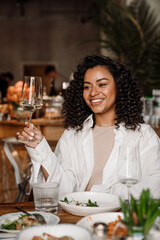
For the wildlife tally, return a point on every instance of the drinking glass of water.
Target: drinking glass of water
(128, 167)
(46, 196)
(32, 94)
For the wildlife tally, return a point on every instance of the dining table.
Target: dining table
(65, 217)
(6, 208)
(29, 206)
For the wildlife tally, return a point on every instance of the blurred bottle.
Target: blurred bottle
(156, 101)
(44, 91)
(148, 110)
(156, 107)
(65, 85)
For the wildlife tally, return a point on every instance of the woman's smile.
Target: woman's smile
(97, 101)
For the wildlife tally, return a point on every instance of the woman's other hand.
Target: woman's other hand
(31, 135)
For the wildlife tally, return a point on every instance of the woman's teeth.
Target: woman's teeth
(96, 100)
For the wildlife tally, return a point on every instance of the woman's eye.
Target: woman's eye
(102, 84)
(86, 87)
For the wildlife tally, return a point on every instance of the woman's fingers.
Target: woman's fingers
(28, 142)
(28, 131)
(27, 134)
(31, 135)
(21, 137)
(37, 133)
(33, 131)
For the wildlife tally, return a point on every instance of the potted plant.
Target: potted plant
(140, 215)
(132, 33)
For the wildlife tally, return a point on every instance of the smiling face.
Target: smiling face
(100, 92)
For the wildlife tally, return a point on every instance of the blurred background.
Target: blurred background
(37, 33)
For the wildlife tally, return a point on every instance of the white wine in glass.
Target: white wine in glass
(32, 95)
(128, 167)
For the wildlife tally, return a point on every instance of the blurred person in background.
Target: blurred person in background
(5, 80)
(49, 79)
(102, 111)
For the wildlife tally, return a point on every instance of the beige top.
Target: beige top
(103, 140)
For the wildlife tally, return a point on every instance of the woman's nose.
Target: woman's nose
(94, 91)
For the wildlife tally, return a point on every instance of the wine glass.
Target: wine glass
(128, 167)
(32, 95)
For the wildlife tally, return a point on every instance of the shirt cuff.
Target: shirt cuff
(41, 152)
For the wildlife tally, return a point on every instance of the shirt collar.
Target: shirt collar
(88, 123)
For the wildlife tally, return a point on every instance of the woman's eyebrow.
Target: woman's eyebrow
(98, 80)
(102, 79)
(86, 82)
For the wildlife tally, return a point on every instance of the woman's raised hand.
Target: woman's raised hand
(31, 135)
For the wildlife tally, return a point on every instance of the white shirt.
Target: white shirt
(72, 162)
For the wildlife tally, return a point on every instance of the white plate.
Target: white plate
(107, 203)
(87, 222)
(74, 231)
(49, 217)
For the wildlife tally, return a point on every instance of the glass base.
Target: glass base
(136, 232)
(48, 209)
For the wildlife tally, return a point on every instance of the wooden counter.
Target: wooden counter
(51, 129)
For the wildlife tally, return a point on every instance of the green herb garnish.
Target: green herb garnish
(92, 204)
(65, 200)
(77, 203)
(12, 225)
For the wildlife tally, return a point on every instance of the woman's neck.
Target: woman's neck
(105, 121)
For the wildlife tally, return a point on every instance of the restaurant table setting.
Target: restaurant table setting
(8, 211)
(86, 203)
(72, 221)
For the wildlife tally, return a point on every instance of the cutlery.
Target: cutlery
(38, 216)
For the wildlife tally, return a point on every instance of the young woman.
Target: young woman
(102, 110)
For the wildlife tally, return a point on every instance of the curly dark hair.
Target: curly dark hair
(129, 103)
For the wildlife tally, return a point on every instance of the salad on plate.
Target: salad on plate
(17, 221)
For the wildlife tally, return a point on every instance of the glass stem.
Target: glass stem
(30, 117)
(129, 196)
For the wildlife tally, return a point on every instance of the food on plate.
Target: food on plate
(50, 237)
(116, 229)
(77, 203)
(20, 223)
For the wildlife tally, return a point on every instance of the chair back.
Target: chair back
(13, 157)
(21, 176)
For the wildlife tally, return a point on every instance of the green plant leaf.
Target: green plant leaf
(132, 34)
(146, 210)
